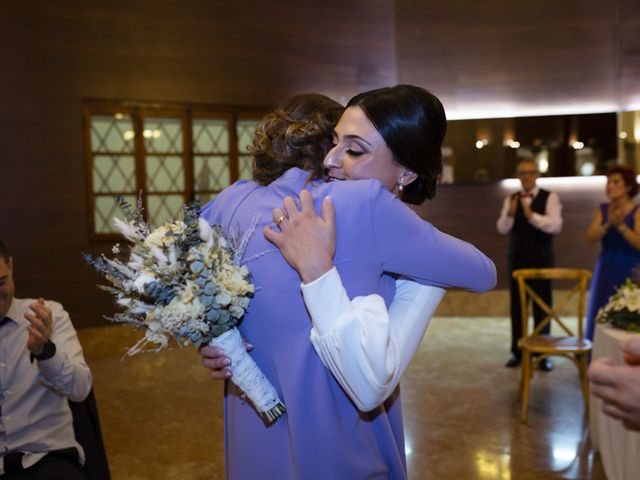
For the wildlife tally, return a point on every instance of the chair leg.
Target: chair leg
(526, 377)
(584, 381)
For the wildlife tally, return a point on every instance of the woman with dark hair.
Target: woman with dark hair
(617, 225)
(411, 123)
(323, 434)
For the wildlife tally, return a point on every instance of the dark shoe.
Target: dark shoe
(513, 362)
(545, 365)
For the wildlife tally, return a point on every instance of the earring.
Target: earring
(401, 184)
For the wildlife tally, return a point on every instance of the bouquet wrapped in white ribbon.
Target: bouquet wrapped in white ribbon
(184, 280)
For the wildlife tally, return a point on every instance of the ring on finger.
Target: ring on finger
(280, 219)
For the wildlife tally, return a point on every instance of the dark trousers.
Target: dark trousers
(543, 289)
(58, 465)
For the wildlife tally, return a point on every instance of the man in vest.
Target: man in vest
(531, 217)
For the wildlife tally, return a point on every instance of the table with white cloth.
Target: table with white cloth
(618, 446)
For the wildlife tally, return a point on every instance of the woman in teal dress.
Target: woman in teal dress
(617, 225)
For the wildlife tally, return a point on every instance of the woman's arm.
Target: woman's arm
(365, 347)
(631, 235)
(596, 230)
(414, 248)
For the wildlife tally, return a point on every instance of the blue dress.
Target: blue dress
(614, 265)
(322, 435)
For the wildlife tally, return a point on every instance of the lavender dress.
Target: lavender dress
(323, 435)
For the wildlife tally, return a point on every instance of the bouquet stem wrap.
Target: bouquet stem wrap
(248, 376)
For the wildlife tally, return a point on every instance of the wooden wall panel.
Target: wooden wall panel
(504, 56)
(470, 212)
(629, 53)
(54, 55)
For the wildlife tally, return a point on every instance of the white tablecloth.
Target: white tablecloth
(619, 447)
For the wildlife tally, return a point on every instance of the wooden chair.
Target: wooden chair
(536, 347)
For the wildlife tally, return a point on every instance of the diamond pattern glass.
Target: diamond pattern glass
(114, 173)
(164, 174)
(210, 136)
(164, 208)
(204, 198)
(211, 172)
(115, 156)
(105, 209)
(245, 130)
(112, 134)
(163, 135)
(245, 167)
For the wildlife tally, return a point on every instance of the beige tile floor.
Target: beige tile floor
(162, 417)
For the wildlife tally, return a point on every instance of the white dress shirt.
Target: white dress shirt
(35, 416)
(550, 222)
(365, 347)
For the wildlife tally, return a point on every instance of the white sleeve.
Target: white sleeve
(505, 222)
(66, 372)
(365, 347)
(551, 221)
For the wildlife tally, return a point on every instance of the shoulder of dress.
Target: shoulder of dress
(229, 194)
(358, 190)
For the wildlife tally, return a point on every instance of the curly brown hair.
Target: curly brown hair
(296, 134)
(628, 175)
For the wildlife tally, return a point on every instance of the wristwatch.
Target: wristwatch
(48, 351)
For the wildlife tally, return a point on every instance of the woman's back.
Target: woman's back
(323, 435)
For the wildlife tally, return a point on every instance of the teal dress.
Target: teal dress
(615, 264)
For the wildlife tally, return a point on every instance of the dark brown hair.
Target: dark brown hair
(628, 175)
(296, 134)
(412, 122)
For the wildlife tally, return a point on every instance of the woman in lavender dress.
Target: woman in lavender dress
(323, 434)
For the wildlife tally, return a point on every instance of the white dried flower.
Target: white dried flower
(144, 279)
(204, 229)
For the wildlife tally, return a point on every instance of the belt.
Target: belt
(13, 460)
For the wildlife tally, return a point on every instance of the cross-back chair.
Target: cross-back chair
(534, 346)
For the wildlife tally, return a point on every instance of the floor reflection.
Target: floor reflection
(462, 412)
(459, 402)
(491, 466)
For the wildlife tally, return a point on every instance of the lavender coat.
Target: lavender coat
(323, 435)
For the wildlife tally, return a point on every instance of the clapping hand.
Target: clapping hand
(526, 207)
(616, 216)
(41, 324)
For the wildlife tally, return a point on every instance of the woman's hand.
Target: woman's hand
(307, 241)
(616, 216)
(214, 359)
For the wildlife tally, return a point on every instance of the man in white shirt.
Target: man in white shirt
(530, 217)
(41, 368)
